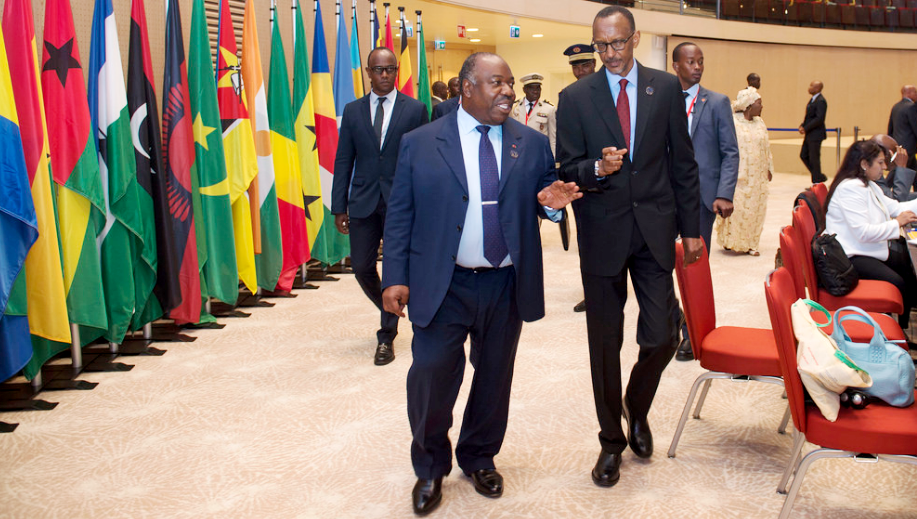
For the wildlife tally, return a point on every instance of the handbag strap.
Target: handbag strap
(857, 314)
(821, 309)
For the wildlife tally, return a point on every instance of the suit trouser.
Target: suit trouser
(811, 157)
(365, 237)
(707, 218)
(656, 336)
(483, 305)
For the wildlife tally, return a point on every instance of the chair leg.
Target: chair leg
(700, 401)
(801, 472)
(799, 440)
(785, 421)
(684, 414)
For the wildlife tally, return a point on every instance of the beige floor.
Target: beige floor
(284, 415)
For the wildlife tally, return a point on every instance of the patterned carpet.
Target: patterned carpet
(284, 415)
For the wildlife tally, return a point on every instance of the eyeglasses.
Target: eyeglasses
(379, 70)
(618, 45)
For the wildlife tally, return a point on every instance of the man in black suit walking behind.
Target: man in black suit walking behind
(902, 123)
(813, 127)
(623, 136)
(364, 168)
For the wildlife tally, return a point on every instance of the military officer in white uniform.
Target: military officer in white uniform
(533, 112)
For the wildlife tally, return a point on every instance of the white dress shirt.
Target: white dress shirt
(471, 246)
(388, 106)
(863, 218)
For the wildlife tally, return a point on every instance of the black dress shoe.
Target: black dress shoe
(684, 351)
(385, 353)
(580, 307)
(607, 470)
(488, 482)
(639, 436)
(427, 495)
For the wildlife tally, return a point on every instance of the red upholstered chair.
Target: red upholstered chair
(859, 332)
(727, 352)
(869, 294)
(821, 192)
(888, 433)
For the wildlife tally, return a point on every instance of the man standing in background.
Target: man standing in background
(716, 150)
(902, 123)
(371, 130)
(754, 81)
(582, 59)
(813, 127)
(440, 93)
(450, 104)
(533, 112)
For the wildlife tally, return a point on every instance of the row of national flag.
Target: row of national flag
(112, 217)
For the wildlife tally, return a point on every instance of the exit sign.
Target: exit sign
(439, 45)
(461, 31)
(514, 31)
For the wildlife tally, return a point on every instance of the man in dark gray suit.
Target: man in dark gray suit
(371, 130)
(716, 150)
(902, 123)
(897, 184)
(813, 127)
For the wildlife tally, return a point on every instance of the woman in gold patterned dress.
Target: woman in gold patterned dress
(741, 232)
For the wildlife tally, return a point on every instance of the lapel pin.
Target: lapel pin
(704, 100)
(514, 154)
(649, 90)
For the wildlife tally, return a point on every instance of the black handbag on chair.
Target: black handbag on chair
(835, 272)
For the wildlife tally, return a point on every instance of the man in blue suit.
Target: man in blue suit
(364, 167)
(463, 253)
(713, 134)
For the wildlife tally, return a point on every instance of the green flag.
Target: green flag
(124, 254)
(215, 242)
(423, 80)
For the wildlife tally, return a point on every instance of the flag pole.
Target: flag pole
(76, 352)
(373, 21)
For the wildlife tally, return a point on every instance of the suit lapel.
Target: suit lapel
(365, 116)
(512, 149)
(605, 105)
(699, 106)
(645, 89)
(393, 122)
(450, 147)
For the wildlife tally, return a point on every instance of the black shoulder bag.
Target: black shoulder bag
(835, 272)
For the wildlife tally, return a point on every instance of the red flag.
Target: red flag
(178, 159)
(389, 41)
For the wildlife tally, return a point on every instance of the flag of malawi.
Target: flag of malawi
(44, 280)
(216, 245)
(270, 261)
(141, 103)
(18, 231)
(80, 199)
(238, 145)
(178, 168)
(286, 164)
(128, 250)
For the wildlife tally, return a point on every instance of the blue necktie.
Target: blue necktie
(494, 244)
